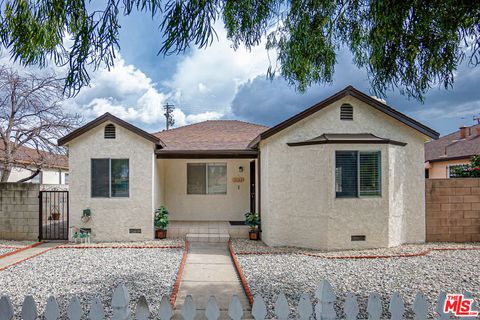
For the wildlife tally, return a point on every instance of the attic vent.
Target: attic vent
(359, 238)
(109, 131)
(346, 112)
(134, 230)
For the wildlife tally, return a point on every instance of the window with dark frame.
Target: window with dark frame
(357, 174)
(110, 131)
(206, 178)
(110, 178)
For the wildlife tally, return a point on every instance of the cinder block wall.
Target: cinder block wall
(453, 209)
(19, 211)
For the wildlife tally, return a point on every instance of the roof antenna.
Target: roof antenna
(169, 120)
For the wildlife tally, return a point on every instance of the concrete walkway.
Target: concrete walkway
(14, 258)
(209, 271)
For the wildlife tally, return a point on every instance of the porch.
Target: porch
(207, 231)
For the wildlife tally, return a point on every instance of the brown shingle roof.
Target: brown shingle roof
(452, 147)
(29, 156)
(211, 135)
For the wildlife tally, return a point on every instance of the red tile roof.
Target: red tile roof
(25, 155)
(452, 147)
(211, 135)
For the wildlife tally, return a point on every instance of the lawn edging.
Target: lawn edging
(20, 249)
(176, 286)
(243, 280)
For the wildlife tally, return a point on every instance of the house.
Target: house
(345, 173)
(54, 167)
(454, 150)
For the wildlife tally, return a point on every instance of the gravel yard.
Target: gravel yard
(16, 244)
(6, 250)
(93, 272)
(153, 243)
(451, 271)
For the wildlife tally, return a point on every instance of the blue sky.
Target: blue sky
(218, 83)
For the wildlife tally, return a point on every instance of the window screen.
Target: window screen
(206, 178)
(100, 178)
(110, 178)
(357, 174)
(346, 174)
(119, 177)
(369, 173)
(217, 178)
(196, 178)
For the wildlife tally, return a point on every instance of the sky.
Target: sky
(221, 83)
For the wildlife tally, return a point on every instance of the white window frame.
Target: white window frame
(207, 164)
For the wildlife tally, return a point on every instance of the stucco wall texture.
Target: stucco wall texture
(113, 217)
(299, 207)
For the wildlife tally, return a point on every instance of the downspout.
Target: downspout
(259, 179)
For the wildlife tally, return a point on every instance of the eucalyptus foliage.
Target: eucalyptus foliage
(409, 44)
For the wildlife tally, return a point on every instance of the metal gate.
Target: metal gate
(53, 214)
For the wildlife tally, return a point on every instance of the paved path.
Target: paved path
(14, 258)
(209, 271)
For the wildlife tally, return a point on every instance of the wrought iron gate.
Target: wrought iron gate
(53, 214)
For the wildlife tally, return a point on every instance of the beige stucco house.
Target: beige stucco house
(345, 173)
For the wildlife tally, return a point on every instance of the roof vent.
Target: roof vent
(109, 131)
(346, 112)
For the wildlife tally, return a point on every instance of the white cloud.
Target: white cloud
(209, 115)
(461, 111)
(209, 78)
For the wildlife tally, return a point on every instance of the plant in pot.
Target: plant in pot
(55, 213)
(86, 215)
(252, 220)
(161, 222)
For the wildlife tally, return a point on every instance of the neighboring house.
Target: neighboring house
(345, 173)
(54, 169)
(449, 152)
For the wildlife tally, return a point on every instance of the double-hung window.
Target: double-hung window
(110, 178)
(206, 178)
(357, 174)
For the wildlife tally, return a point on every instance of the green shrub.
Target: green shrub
(252, 219)
(161, 218)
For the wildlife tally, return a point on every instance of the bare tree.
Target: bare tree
(31, 116)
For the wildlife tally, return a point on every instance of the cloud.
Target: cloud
(208, 79)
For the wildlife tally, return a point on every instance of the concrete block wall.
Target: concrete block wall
(19, 211)
(453, 209)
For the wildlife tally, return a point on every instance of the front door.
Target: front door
(252, 186)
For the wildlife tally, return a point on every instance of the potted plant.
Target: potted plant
(86, 214)
(55, 213)
(161, 222)
(252, 220)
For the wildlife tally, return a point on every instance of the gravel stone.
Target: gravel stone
(159, 242)
(243, 245)
(450, 271)
(14, 243)
(88, 273)
(6, 250)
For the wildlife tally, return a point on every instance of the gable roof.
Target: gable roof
(451, 147)
(337, 96)
(29, 156)
(210, 135)
(104, 118)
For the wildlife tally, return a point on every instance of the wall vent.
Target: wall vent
(359, 238)
(109, 131)
(346, 112)
(134, 230)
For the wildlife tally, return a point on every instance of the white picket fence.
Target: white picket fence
(324, 309)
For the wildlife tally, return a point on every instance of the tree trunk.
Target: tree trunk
(33, 175)
(6, 173)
